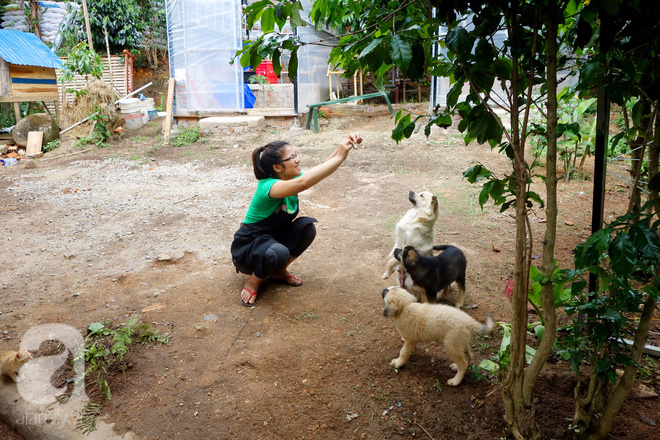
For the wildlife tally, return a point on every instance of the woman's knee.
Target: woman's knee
(307, 236)
(276, 258)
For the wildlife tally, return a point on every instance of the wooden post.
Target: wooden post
(167, 124)
(34, 143)
(89, 29)
(17, 111)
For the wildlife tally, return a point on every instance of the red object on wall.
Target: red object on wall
(266, 69)
(129, 71)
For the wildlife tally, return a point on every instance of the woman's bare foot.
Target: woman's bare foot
(249, 292)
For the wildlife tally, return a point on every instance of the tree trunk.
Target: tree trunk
(654, 158)
(519, 413)
(600, 430)
(548, 266)
(637, 147)
(35, 17)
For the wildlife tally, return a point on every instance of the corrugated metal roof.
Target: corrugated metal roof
(26, 49)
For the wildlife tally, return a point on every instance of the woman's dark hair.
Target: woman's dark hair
(263, 159)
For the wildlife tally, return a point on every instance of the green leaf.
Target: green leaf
(95, 327)
(485, 192)
(401, 52)
(610, 314)
(293, 64)
(476, 173)
(489, 365)
(417, 66)
(454, 93)
(268, 20)
(277, 65)
(458, 41)
(594, 247)
(367, 50)
(539, 330)
(646, 241)
(623, 255)
(602, 365)
(295, 19)
(529, 354)
(281, 14)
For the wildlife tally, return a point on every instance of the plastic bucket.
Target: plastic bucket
(132, 112)
(147, 105)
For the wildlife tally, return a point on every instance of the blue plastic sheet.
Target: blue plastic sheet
(248, 96)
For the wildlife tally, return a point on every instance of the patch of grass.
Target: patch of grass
(437, 386)
(51, 145)
(646, 368)
(186, 137)
(153, 149)
(306, 316)
(141, 139)
(194, 154)
(478, 373)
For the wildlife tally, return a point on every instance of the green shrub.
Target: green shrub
(186, 137)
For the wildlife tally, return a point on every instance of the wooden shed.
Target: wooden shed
(27, 70)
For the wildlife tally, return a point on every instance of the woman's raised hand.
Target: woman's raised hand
(351, 141)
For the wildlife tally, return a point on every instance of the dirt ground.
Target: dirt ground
(82, 236)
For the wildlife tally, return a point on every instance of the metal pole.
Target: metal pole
(602, 132)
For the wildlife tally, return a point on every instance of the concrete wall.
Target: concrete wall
(273, 95)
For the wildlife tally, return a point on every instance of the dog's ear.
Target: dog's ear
(393, 305)
(434, 204)
(397, 254)
(391, 310)
(410, 255)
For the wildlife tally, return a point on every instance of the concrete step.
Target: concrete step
(231, 124)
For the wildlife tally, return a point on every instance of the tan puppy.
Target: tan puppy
(425, 322)
(415, 228)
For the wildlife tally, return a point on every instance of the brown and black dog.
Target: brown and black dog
(430, 277)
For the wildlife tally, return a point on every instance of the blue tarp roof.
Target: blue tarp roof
(26, 49)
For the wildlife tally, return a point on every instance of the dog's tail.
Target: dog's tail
(442, 247)
(487, 327)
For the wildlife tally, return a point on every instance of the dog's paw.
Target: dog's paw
(385, 276)
(454, 367)
(397, 363)
(453, 382)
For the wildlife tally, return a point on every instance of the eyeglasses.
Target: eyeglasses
(293, 156)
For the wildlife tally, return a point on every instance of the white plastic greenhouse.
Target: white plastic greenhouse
(204, 35)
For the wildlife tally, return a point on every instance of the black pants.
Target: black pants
(277, 256)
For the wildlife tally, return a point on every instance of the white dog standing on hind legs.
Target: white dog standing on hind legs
(415, 229)
(425, 322)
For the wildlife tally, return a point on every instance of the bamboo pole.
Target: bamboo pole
(89, 29)
(107, 48)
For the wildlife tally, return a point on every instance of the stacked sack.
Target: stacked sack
(51, 17)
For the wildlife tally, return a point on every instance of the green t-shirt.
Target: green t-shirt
(262, 205)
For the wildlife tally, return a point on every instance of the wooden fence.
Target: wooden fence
(117, 71)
